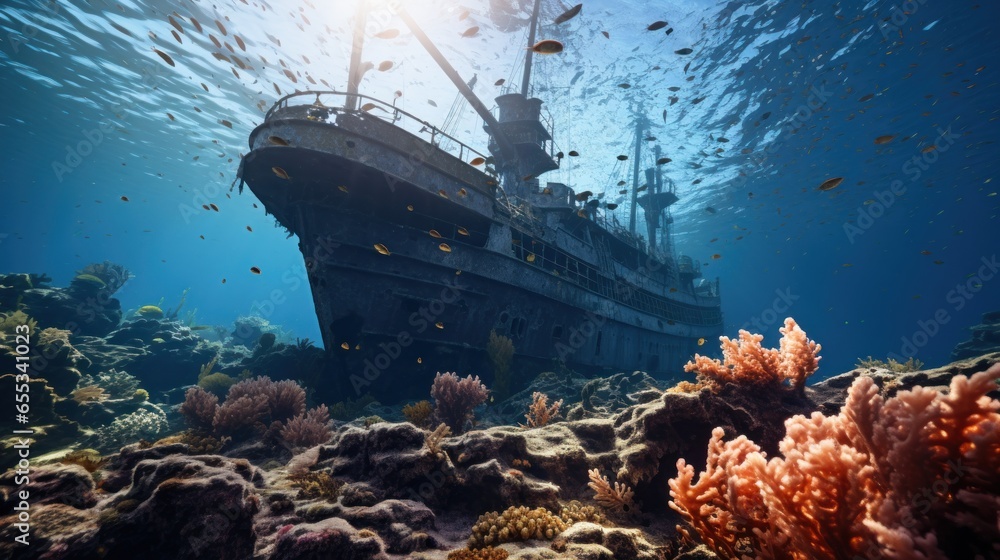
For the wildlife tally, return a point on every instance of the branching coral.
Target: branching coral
(309, 429)
(89, 393)
(143, 424)
(285, 399)
(434, 439)
(539, 412)
(746, 361)
(241, 417)
(419, 413)
(199, 408)
(617, 498)
(455, 398)
(912, 477)
(118, 384)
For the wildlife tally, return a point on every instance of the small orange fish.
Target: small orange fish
(382, 249)
(277, 140)
(345, 346)
(716, 256)
(885, 139)
(444, 247)
(477, 161)
(280, 173)
(701, 341)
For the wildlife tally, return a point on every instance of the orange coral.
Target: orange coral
(617, 498)
(746, 361)
(539, 412)
(914, 477)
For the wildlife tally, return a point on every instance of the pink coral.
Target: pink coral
(199, 408)
(309, 429)
(746, 361)
(285, 399)
(455, 398)
(241, 417)
(914, 477)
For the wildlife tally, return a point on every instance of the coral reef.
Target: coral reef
(308, 429)
(271, 410)
(891, 364)
(199, 408)
(147, 423)
(746, 362)
(617, 498)
(85, 307)
(515, 524)
(909, 477)
(985, 338)
(117, 384)
(540, 413)
(419, 413)
(455, 398)
(486, 553)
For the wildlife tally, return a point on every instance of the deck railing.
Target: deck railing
(335, 102)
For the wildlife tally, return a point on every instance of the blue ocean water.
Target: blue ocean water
(901, 257)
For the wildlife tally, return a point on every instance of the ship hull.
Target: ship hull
(411, 272)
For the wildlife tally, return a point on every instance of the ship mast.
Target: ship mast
(354, 74)
(506, 148)
(639, 124)
(526, 79)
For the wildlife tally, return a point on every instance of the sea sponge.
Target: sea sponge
(216, 383)
(150, 312)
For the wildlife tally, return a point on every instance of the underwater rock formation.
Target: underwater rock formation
(86, 307)
(985, 338)
(380, 490)
(161, 353)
